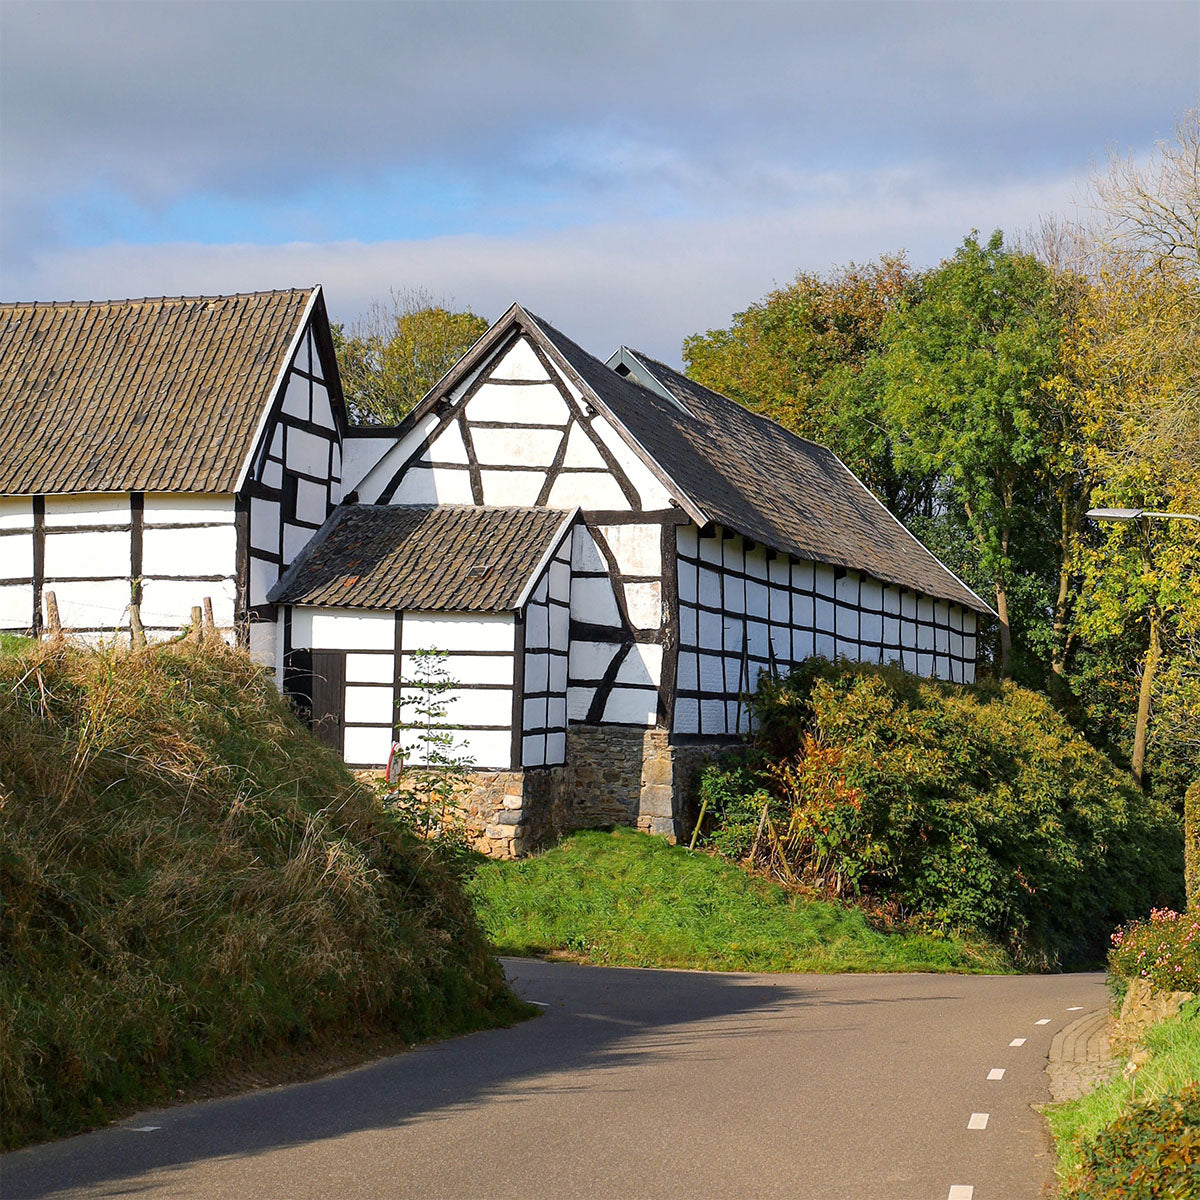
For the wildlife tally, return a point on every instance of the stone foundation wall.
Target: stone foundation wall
(613, 776)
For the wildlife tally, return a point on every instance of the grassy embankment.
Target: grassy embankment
(626, 899)
(1173, 1065)
(192, 884)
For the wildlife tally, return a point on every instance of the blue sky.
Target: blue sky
(634, 172)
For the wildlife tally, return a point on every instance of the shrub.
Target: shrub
(190, 877)
(970, 807)
(1164, 950)
(1152, 1152)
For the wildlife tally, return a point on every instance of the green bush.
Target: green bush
(975, 808)
(1152, 1152)
(734, 802)
(1164, 950)
(189, 878)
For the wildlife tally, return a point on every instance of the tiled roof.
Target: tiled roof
(751, 475)
(450, 558)
(138, 395)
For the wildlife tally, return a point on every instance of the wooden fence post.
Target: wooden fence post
(196, 632)
(53, 620)
(137, 635)
(210, 626)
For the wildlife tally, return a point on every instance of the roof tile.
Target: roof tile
(138, 395)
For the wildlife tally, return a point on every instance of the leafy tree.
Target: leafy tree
(966, 369)
(805, 356)
(1141, 345)
(1136, 350)
(398, 351)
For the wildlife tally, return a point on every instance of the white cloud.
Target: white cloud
(647, 283)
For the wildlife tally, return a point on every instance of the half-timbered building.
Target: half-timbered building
(608, 554)
(710, 545)
(160, 452)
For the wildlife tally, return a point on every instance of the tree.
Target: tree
(805, 356)
(966, 369)
(395, 353)
(431, 769)
(1137, 347)
(1140, 344)
(1149, 214)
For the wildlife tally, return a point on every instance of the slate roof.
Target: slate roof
(749, 474)
(414, 558)
(138, 395)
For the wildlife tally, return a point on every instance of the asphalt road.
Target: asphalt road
(636, 1084)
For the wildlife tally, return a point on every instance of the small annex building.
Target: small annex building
(608, 554)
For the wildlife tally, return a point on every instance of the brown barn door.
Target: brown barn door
(329, 696)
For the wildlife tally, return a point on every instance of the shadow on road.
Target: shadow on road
(590, 1016)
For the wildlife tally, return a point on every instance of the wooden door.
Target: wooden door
(329, 696)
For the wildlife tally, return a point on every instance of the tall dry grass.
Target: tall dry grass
(189, 877)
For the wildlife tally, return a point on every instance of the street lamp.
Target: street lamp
(1138, 516)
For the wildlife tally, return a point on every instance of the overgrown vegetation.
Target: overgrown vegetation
(1138, 1136)
(1164, 951)
(967, 808)
(625, 899)
(190, 878)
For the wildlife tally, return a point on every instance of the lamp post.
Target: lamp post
(1142, 517)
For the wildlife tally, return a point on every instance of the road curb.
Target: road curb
(1081, 1057)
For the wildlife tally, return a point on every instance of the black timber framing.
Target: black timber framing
(137, 521)
(518, 692)
(39, 562)
(738, 620)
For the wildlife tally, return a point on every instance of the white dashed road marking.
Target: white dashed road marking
(1043, 1021)
(1075, 1008)
(540, 1003)
(996, 1073)
(961, 1191)
(978, 1121)
(142, 1128)
(1017, 1042)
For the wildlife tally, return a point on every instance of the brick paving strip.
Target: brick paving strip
(1081, 1057)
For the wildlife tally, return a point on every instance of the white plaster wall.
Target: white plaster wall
(16, 605)
(520, 362)
(168, 508)
(442, 485)
(531, 447)
(537, 405)
(637, 549)
(587, 490)
(516, 489)
(87, 509)
(16, 555)
(167, 603)
(378, 474)
(447, 447)
(454, 631)
(359, 455)
(16, 512)
(187, 553)
(652, 493)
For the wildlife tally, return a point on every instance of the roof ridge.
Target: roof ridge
(730, 400)
(288, 291)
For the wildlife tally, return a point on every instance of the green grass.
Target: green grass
(1174, 1063)
(14, 643)
(627, 899)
